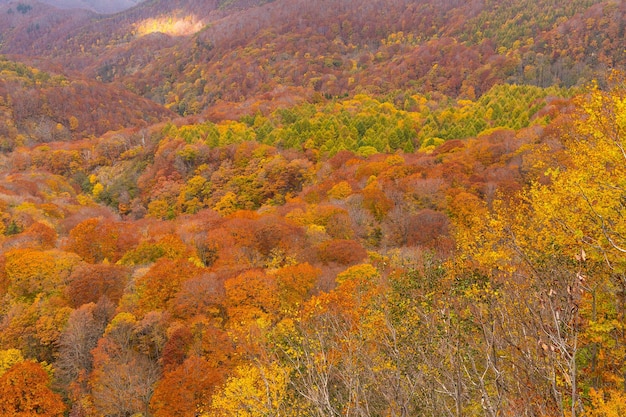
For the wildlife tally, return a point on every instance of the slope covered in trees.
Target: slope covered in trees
(96, 6)
(295, 208)
(38, 106)
(191, 55)
(457, 279)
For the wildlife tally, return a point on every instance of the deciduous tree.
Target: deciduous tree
(25, 391)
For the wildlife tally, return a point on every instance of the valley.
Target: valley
(295, 208)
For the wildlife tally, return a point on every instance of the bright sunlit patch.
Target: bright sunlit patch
(174, 26)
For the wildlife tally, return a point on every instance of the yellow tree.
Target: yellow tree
(8, 358)
(331, 349)
(584, 206)
(254, 391)
(553, 258)
(31, 272)
(251, 298)
(294, 283)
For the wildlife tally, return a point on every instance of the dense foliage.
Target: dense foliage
(361, 213)
(194, 56)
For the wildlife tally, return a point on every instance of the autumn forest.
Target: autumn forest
(246, 208)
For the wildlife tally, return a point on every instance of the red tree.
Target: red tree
(25, 392)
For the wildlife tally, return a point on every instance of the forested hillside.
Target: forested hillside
(191, 55)
(298, 208)
(37, 106)
(108, 7)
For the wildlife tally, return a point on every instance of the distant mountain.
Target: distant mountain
(98, 6)
(194, 55)
(38, 106)
(312, 207)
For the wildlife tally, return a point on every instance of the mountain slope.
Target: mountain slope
(37, 106)
(106, 7)
(371, 207)
(191, 55)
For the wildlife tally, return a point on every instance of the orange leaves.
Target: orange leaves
(273, 233)
(168, 246)
(606, 403)
(294, 284)
(24, 392)
(158, 287)
(30, 272)
(41, 235)
(185, 389)
(340, 191)
(88, 283)
(97, 239)
(34, 326)
(57, 162)
(198, 296)
(251, 297)
(341, 251)
(375, 200)
(352, 301)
